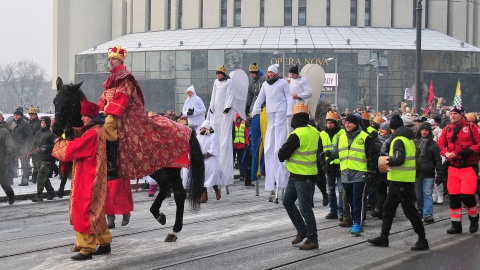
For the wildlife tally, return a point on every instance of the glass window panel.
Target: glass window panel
(215, 58)
(80, 64)
(152, 75)
(183, 60)
(90, 63)
(138, 61)
(102, 64)
(152, 61)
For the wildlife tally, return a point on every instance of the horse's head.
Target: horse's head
(67, 106)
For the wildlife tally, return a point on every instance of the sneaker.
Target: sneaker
(308, 245)
(356, 230)
(422, 244)
(428, 220)
(331, 216)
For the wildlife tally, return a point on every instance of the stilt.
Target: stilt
(270, 199)
(226, 188)
(276, 196)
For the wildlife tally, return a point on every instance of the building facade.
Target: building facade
(176, 43)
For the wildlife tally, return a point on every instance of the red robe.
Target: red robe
(89, 179)
(119, 197)
(145, 145)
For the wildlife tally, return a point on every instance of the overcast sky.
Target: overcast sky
(26, 31)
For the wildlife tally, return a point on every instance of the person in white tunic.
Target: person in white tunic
(300, 88)
(194, 108)
(221, 119)
(276, 92)
(210, 149)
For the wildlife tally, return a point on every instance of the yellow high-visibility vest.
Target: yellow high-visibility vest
(304, 160)
(407, 171)
(353, 156)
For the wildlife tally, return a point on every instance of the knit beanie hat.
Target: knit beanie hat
(396, 122)
(47, 121)
(18, 112)
(458, 109)
(293, 70)
(385, 125)
(352, 119)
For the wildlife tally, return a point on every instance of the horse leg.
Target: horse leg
(159, 176)
(180, 196)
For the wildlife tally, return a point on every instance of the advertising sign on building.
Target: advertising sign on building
(330, 82)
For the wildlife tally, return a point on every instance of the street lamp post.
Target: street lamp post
(283, 61)
(378, 76)
(336, 78)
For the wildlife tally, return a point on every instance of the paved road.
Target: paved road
(240, 231)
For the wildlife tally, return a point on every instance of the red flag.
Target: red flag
(430, 91)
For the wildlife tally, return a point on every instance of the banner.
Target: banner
(457, 100)
(408, 94)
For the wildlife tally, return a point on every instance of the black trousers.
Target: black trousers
(402, 193)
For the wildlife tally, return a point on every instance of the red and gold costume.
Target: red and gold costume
(145, 145)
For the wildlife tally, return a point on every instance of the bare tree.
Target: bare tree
(24, 83)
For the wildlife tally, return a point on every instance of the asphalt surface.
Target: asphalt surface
(240, 231)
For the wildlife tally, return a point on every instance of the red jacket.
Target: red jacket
(467, 138)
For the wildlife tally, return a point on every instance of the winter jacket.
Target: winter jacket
(44, 141)
(431, 159)
(399, 154)
(22, 135)
(253, 91)
(467, 138)
(6, 145)
(35, 124)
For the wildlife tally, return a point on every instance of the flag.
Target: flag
(457, 100)
(430, 92)
(408, 94)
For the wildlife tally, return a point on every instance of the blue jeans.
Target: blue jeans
(336, 208)
(354, 192)
(303, 219)
(423, 192)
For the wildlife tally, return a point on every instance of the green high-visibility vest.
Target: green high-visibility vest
(304, 160)
(353, 156)
(371, 129)
(328, 144)
(239, 134)
(407, 171)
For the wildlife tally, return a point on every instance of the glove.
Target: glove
(465, 153)
(371, 176)
(247, 110)
(68, 133)
(211, 111)
(327, 153)
(226, 110)
(190, 111)
(438, 180)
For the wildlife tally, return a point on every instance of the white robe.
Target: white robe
(197, 104)
(302, 88)
(279, 107)
(222, 98)
(213, 171)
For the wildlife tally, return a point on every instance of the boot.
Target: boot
(346, 222)
(456, 228)
(126, 219)
(38, 198)
(473, 224)
(102, 250)
(218, 193)
(111, 221)
(422, 244)
(112, 151)
(203, 198)
(377, 213)
(299, 238)
(24, 181)
(308, 245)
(59, 192)
(11, 199)
(248, 182)
(82, 257)
(50, 195)
(152, 189)
(440, 194)
(381, 241)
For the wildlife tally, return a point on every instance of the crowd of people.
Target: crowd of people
(374, 161)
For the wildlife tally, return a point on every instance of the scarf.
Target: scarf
(273, 80)
(423, 145)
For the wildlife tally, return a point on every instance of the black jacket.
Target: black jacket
(44, 141)
(431, 160)
(22, 135)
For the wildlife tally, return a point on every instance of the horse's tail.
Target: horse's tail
(196, 174)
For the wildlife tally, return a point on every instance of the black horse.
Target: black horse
(67, 114)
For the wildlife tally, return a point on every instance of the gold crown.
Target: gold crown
(222, 68)
(32, 109)
(253, 67)
(300, 108)
(118, 53)
(470, 117)
(151, 113)
(378, 119)
(332, 115)
(365, 115)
